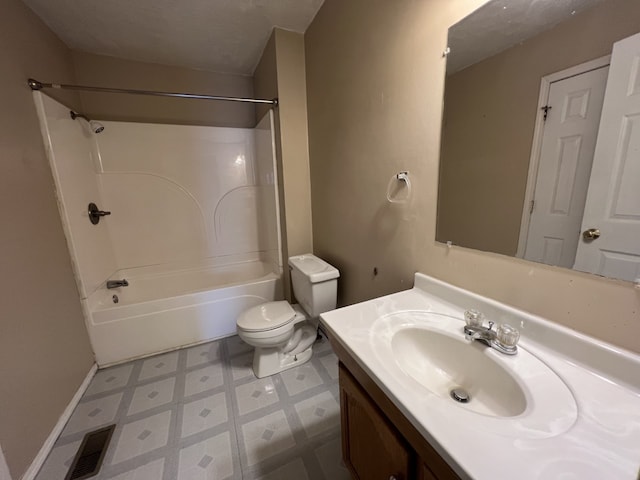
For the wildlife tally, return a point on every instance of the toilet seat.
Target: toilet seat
(266, 317)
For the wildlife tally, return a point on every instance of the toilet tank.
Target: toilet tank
(315, 283)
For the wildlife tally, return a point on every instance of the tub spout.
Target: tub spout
(117, 283)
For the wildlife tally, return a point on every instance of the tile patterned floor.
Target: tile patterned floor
(200, 413)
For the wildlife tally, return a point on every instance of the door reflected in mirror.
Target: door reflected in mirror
(540, 155)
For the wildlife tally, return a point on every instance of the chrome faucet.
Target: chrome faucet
(504, 339)
(117, 283)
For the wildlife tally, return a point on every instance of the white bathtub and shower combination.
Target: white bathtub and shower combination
(162, 310)
(194, 227)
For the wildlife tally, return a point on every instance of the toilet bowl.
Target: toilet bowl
(283, 334)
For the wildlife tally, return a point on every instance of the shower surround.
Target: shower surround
(194, 227)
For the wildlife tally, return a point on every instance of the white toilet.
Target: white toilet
(283, 334)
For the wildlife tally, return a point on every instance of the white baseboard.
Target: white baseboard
(42, 455)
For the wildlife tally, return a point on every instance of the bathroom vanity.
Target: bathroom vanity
(565, 406)
(377, 439)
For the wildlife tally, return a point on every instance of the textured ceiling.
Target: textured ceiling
(501, 24)
(218, 35)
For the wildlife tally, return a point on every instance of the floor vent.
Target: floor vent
(88, 460)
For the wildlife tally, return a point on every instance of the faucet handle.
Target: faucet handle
(491, 324)
(474, 318)
(507, 335)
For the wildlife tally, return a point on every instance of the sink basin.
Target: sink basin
(426, 356)
(442, 363)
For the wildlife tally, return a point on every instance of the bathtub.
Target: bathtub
(164, 309)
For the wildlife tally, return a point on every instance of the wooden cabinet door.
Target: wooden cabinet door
(425, 474)
(372, 449)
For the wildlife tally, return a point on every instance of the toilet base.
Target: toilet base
(269, 361)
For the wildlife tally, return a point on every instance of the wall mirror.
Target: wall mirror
(540, 155)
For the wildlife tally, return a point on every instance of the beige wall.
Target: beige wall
(375, 77)
(103, 71)
(490, 113)
(292, 113)
(265, 76)
(281, 73)
(44, 348)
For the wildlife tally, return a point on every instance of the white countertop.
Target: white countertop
(595, 437)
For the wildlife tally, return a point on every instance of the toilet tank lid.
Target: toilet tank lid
(267, 316)
(313, 267)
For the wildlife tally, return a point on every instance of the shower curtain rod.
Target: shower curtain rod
(36, 85)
